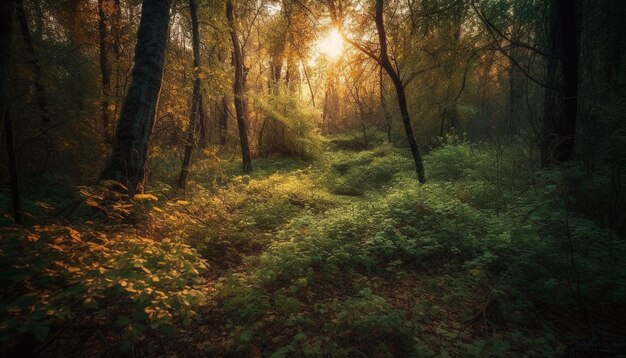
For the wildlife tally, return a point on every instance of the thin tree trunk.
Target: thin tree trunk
(128, 156)
(205, 133)
(104, 72)
(308, 81)
(223, 120)
(561, 104)
(239, 89)
(32, 54)
(195, 100)
(397, 83)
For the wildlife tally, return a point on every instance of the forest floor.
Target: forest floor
(345, 255)
(350, 256)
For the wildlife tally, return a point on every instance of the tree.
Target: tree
(195, 99)
(7, 8)
(104, 69)
(383, 60)
(239, 88)
(561, 96)
(34, 60)
(128, 156)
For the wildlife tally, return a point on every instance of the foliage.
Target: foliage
(354, 174)
(286, 113)
(62, 275)
(457, 259)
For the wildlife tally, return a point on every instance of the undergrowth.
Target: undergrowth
(345, 256)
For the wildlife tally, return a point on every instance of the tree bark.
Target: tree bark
(223, 120)
(239, 89)
(561, 104)
(195, 100)
(385, 63)
(104, 72)
(128, 156)
(34, 60)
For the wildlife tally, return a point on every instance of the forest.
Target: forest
(290, 178)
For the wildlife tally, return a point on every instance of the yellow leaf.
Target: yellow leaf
(182, 202)
(143, 197)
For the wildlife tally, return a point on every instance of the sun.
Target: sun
(331, 45)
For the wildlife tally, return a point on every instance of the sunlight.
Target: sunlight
(331, 45)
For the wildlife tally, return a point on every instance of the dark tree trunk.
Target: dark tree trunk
(104, 72)
(32, 54)
(205, 129)
(128, 156)
(195, 100)
(7, 9)
(385, 63)
(561, 100)
(239, 89)
(223, 120)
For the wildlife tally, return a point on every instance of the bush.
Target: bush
(61, 275)
(350, 174)
(290, 126)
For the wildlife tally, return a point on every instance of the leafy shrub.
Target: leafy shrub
(290, 126)
(350, 174)
(455, 160)
(53, 275)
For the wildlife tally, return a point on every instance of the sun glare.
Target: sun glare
(331, 45)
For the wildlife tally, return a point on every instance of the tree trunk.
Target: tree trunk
(561, 104)
(223, 120)
(104, 72)
(205, 129)
(239, 89)
(195, 100)
(397, 83)
(128, 156)
(7, 8)
(32, 54)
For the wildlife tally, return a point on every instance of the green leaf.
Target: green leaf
(281, 352)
